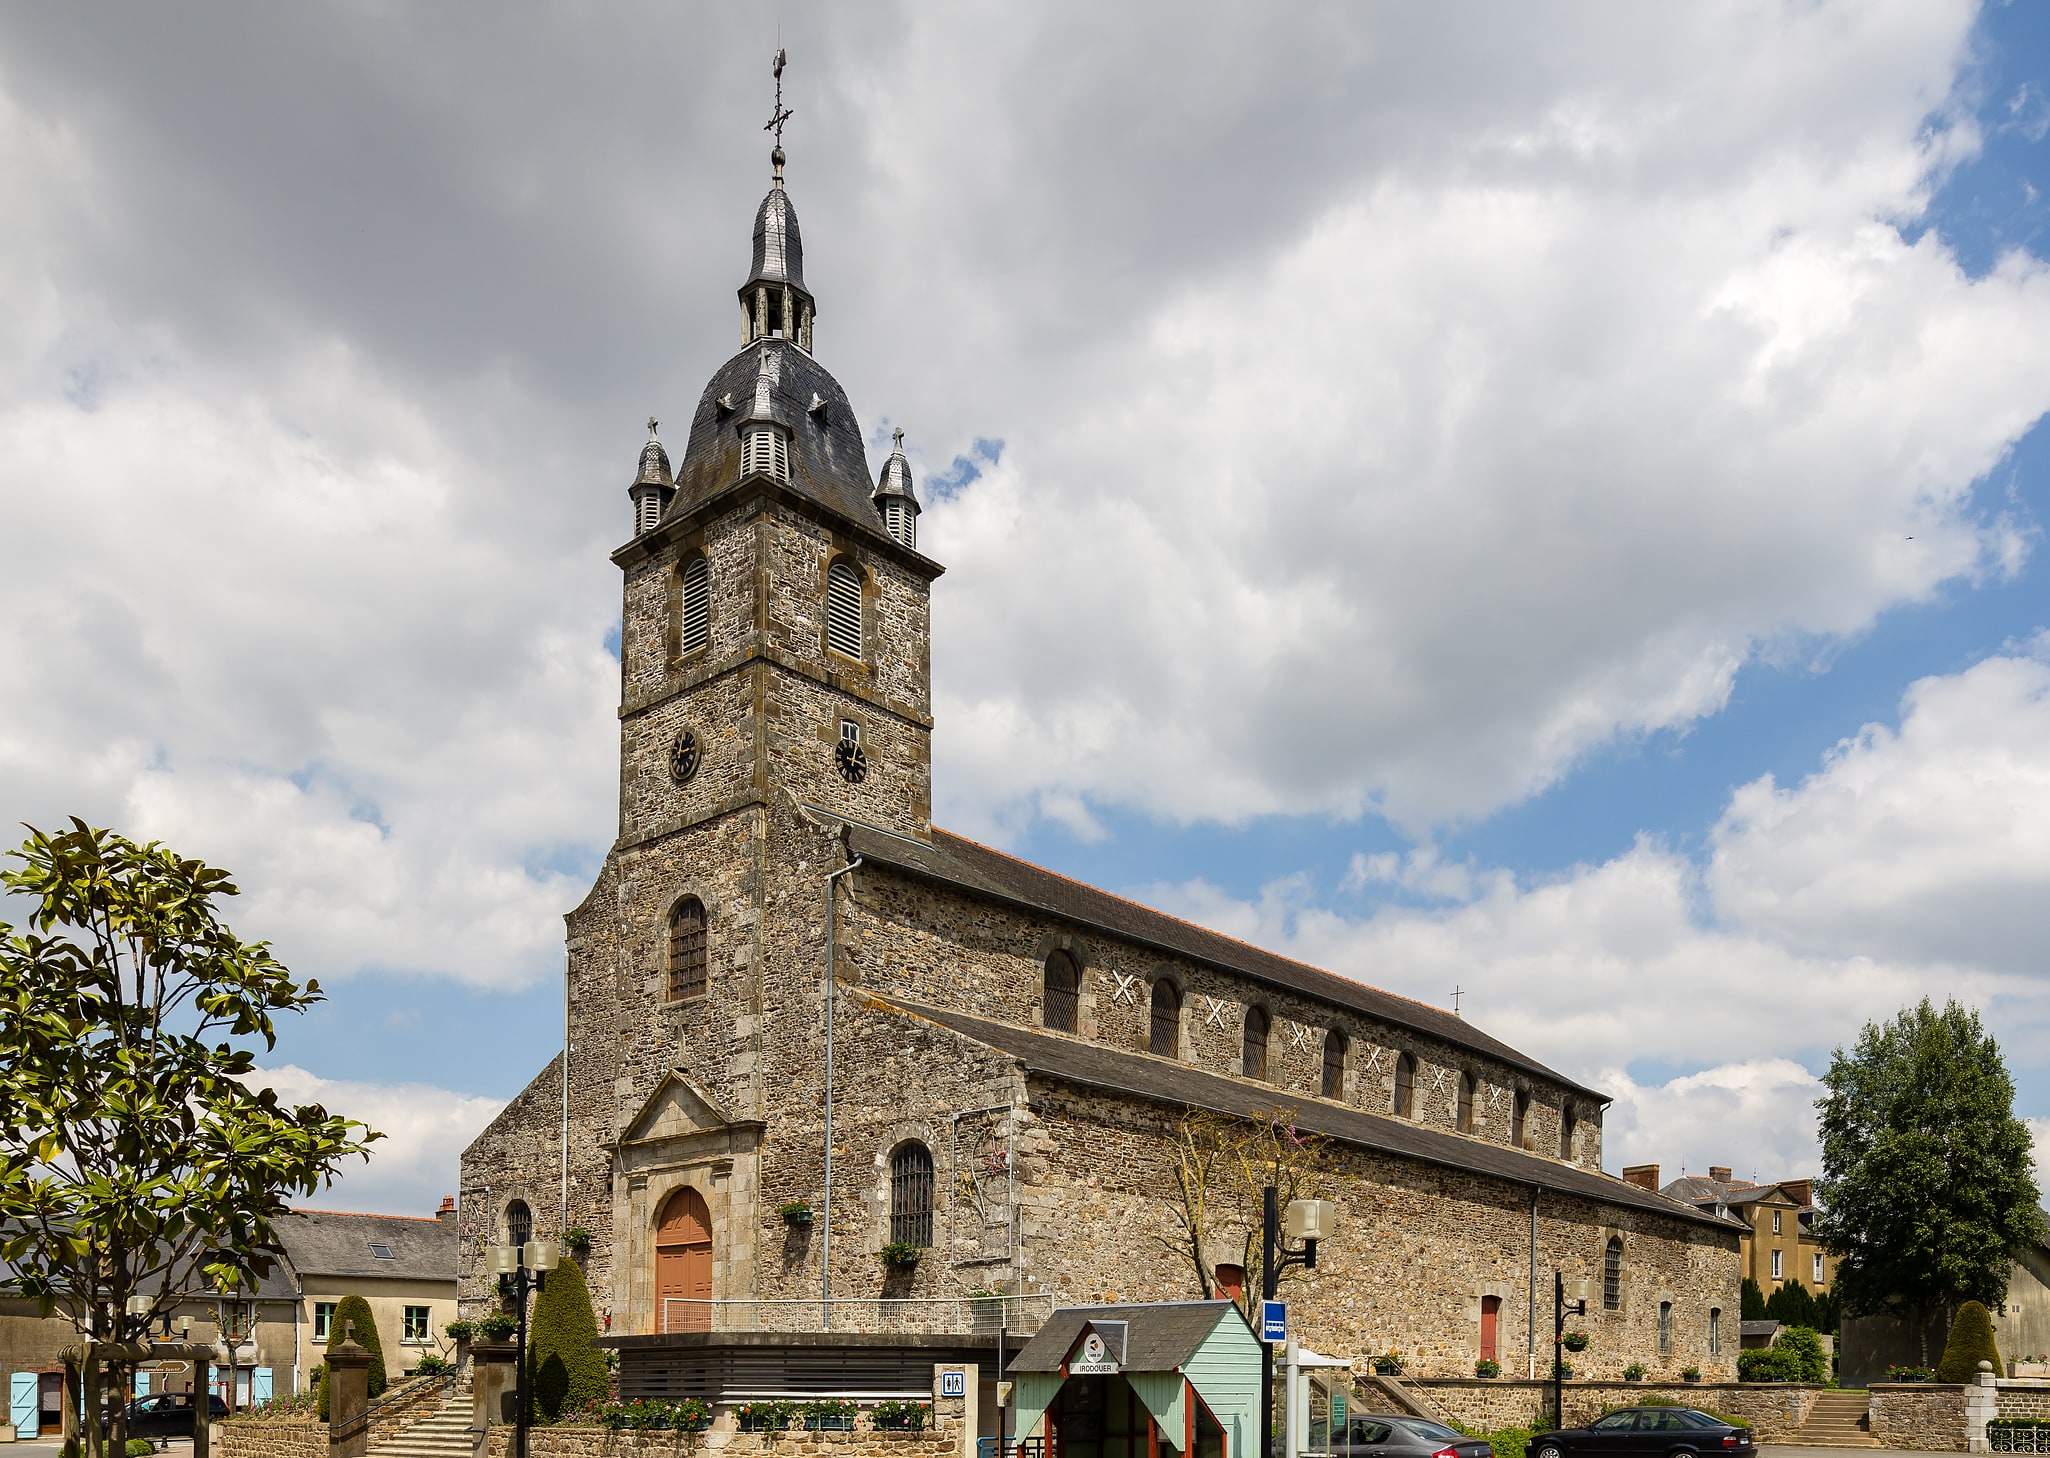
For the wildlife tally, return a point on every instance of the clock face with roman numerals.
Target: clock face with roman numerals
(852, 762)
(683, 756)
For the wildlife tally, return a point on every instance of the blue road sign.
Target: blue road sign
(953, 1384)
(1273, 1321)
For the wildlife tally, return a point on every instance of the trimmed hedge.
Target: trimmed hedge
(564, 1371)
(1971, 1342)
(355, 1309)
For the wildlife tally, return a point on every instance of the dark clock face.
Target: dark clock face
(683, 756)
(852, 762)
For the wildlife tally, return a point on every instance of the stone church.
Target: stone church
(781, 943)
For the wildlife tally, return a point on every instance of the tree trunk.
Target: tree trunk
(95, 1447)
(74, 1401)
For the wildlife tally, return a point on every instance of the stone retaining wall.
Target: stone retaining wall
(1774, 1411)
(582, 1442)
(2022, 1397)
(1929, 1416)
(267, 1438)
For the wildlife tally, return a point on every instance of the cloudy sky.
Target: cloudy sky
(1545, 501)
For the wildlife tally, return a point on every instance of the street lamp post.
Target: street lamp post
(521, 1268)
(1567, 1299)
(1306, 1222)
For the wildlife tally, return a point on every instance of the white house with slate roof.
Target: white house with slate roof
(780, 940)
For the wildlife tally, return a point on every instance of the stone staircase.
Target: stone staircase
(443, 1434)
(1837, 1421)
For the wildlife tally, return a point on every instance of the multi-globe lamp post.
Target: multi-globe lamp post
(1304, 1222)
(520, 1269)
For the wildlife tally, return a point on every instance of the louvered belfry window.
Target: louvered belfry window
(843, 609)
(1253, 1061)
(1334, 1065)
(687, 950)
(1063, 988)
(765, 452)
(911, 1195)
(695, 610)
(899, 520)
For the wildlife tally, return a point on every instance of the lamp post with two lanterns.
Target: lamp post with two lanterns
(520, 1269)
(1306, 1222)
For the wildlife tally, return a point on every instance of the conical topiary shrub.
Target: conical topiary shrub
(354, 1309)
(1971, 1342)
(564, 1371)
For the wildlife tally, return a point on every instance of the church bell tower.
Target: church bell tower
(775, 631)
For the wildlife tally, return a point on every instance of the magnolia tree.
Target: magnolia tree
(138, 1166)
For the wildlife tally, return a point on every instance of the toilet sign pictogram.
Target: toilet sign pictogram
(953, 1384)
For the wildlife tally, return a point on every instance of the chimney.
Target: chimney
(1801, 1192)
(1720, 1173)
(447, 1213)
(1644, 1176)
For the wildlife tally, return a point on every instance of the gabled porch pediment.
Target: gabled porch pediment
(679, 1107)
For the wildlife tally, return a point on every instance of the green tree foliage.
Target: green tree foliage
(1796, 1357)
(1971, 1342)
(134, 1159)
(1928, 1180)
(1791, 1305)
(564, 1371)
(352, 1317)
(1751, 1301)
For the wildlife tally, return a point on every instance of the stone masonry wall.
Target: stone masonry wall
(2022, 1397)
(268, 1438)
(1929, 1416)
(575, 1442)
(1773, 1411)
(947, 949)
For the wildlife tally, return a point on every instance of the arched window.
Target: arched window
(1665, 1328)
(911, 1195)
(1519, 1113)
(1166, 1039)
(900, 520)
(519, 1223)
(1405, 1086)
(1063, 993)
(1253, 1060)
(694, 607)
(1612, 1274)
(843, 609)
(687, 951)
(1465, 1110)
(1334, 1065)
(765, 453)
(1715, 1331)
(1567, 1121)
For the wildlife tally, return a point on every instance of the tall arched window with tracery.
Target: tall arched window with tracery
(689, 952)
(1063, 993)
(694, 607)
(1165, 1037)
(1334, 1065)
(1612, 1274)
(911, 1195)
(1253, 1059)
(843, 609)
(1405, 1085)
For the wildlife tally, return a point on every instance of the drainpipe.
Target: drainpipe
(826, 1243)
(1531, 1327)
(563, 1225)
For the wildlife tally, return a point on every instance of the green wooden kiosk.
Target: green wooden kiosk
(1139, 1381)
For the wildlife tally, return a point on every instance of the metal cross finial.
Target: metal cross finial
(897, 437)
(653, 426)
(1457, 993)
(780, 115)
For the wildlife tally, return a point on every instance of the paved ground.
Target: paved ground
(1790, 1450)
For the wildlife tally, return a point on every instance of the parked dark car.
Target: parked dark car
(169, 1414)
(1647, 1432)
(1389, 1435)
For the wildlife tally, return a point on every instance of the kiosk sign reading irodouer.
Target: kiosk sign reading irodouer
(1093, 1359)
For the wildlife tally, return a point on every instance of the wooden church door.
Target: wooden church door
(1491, 1316)
(683, 1264)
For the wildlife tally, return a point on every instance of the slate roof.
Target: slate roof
(1092, 1065)
(1158, 1336)
(960, 862)
(1756, 1328)
(773, 379)
(330, 1243)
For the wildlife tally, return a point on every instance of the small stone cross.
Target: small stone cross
(653, 426)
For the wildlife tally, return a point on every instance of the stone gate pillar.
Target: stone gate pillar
(493, 1383)
(348, 1397)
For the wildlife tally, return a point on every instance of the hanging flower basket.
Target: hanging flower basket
(901, 1254)
(1575, 1341)
(797, 1212)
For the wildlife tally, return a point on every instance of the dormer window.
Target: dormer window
(765, 451)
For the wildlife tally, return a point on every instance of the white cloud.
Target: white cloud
(415, 1164)
(1756, 1117)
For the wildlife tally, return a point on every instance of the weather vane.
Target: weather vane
(780, 115)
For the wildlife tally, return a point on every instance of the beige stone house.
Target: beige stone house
(1009, 1050)
(1779, 1243)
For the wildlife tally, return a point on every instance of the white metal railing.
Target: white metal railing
(949, 1315)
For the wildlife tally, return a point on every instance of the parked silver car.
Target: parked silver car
(1390, 1435)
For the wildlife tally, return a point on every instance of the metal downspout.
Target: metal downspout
(1531, 1326)
(826, 1242)
(562, 1228)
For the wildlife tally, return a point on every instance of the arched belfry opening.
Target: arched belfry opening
(683, 1264)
